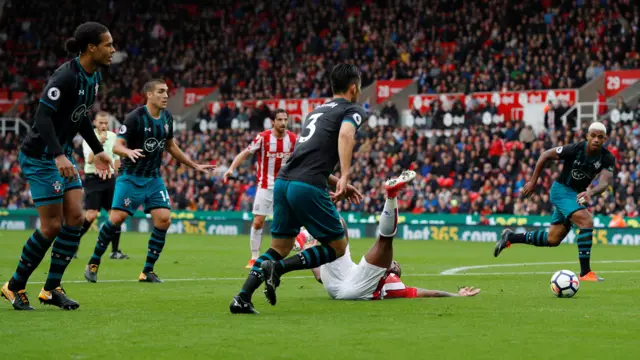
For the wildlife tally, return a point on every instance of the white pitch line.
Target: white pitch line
(311, 277)
(450, 272)
(455, 271)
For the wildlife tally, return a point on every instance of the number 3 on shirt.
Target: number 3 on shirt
(311, 127)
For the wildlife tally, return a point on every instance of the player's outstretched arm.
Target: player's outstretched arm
(465, 291)
(239, 159)
(120, 148)
(176, 152)
(551, 154)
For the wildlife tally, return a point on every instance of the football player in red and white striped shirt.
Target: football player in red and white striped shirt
(272, 148)
(377, 276)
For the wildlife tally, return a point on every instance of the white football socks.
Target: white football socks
(389, 218)
(255, 242)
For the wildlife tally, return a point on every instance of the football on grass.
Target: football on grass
(564, 284)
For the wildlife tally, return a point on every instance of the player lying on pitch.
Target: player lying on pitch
(377, 276)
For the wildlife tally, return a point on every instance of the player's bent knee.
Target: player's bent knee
(340, 246)
(283, 246)
(258, 222)
(582, 218)
(75, 219)
(162, 223)
(117, 217)
(554, 242)
(50, 227)
(91, 215)
(584, 222)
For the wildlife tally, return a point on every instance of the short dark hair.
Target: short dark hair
(343, 76)
(85, 34)
(150, 85)
(280, 111)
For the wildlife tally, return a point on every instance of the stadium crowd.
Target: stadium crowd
(284, 49)
(263, 49)
(475, 169)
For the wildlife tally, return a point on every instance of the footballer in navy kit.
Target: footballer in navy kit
(583, 162)
(301, 192)
(47, 164)
(146, 133)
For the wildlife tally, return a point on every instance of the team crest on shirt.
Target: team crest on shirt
(57, 187)
(127, 202)
(597, 165)
(579, 174)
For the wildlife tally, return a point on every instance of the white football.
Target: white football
(564, 284)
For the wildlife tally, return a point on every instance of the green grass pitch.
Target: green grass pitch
(514, 317)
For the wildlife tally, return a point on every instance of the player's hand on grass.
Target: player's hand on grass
(103, 164)
(468, 291)
(204, 168)
(65, 167)
(134, 154)
(584, 198)
(528, 188)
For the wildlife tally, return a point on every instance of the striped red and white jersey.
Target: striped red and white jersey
(271, 154)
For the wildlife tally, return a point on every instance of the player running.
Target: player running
(99, 192)
(46, 159)
(141, 142)
(272, 148)
(583, 161)
(377, 276)
(300, 193)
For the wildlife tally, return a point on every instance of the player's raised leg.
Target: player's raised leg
(564, 201)
(539, 238)
(381, 253)
(33, 252)
(64, 246)
(161, 222)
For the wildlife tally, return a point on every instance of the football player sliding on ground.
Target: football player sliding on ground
(377, 276)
